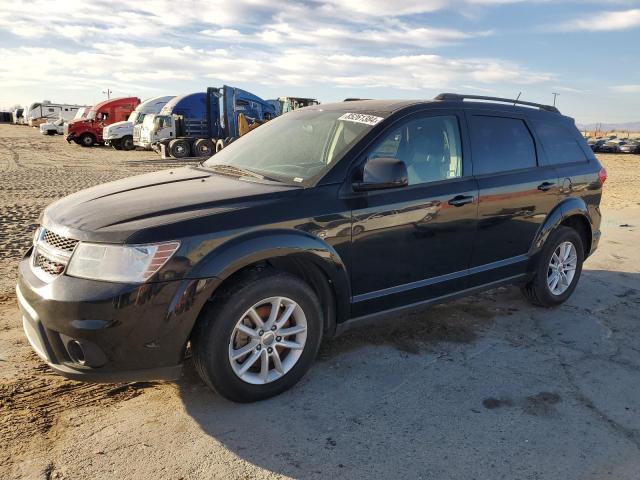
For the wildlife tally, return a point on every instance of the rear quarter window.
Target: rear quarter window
(500, 144)
(559, 143)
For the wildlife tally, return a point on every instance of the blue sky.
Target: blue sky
(71, 51)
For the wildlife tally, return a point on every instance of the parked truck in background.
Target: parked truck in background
(41, 112)
(17, 116)
(287, 104)
(88, 131)
(119, 135)
(199, 124)
(52, 127)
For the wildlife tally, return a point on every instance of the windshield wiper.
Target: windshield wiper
(233, 170)
(242, 172)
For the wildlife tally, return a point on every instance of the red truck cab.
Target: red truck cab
(87, 131)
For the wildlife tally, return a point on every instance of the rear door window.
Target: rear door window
(500, 144)
(559, 142)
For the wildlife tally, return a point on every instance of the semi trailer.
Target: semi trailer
(17, 116)
(87, 131)
(287, 104)
(119, 135)
(199, 124)
(41, 112)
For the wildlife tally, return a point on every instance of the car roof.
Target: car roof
(392, 106)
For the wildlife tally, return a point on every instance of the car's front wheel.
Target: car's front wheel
(258, 337)
(558, 269)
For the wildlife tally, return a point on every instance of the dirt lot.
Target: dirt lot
(485, 387)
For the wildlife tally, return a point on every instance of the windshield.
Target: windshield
(297, 147)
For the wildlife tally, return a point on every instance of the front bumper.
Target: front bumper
(124, 332)
(70, 137)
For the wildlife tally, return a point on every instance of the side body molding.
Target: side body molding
(257, 246)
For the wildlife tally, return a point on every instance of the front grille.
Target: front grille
(47, 265)
(136, 133)
(58, 242)
(51, 254)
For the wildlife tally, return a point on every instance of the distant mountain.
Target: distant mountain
(625, 127)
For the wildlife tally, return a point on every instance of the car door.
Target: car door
(413, 243)
(517, 192)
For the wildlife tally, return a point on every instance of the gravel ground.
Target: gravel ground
(484, 387)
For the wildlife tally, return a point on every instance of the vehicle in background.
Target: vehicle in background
(287, 104)
(596, 144)
(630, 147)
(119, 135)
(87, 131)
(55, 127)
(17, 116)
(6, 117)
(612, 146)
(200, 124)
(41, 112)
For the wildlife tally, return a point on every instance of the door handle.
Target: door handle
(545, 186)
(460, 200)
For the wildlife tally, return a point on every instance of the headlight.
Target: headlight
(119, 263)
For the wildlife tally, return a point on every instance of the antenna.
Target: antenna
(555, 95)
(517, 98)
(108, 93)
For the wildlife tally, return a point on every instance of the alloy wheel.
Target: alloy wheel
(268, 340)
(562, 268)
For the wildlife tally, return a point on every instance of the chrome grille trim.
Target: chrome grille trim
(51, 254)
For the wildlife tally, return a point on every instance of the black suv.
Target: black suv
(320, 219)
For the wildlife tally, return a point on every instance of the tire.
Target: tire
(539, 291)
(220, 144)
(179, 148)
(50, 132)
(127, 143)
(203, 147)
(216, 335)
(116, 144)
(87, 140)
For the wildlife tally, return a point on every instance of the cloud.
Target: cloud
(603, 21)
(626, 88)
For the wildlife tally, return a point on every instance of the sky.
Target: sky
(72, 51)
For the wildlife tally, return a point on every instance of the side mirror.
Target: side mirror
(382, 173)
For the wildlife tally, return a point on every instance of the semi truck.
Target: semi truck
(17, 116)
(119, 135)
(87, 131)
(52, 127)
(41, 112)
(286, 104)
(200, 124)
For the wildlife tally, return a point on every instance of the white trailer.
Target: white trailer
(41, 112)
(17, 115)
(120, 134)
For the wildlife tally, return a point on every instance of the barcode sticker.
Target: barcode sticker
(361, 118)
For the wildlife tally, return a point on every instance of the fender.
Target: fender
(253, 247)
(566, 208)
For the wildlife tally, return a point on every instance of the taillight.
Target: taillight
(602, 175)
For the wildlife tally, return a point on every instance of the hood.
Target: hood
(114, 211)
(124, 125)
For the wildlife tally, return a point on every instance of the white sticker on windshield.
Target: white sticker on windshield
(361, 118)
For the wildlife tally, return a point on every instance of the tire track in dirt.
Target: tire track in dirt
(32, 401)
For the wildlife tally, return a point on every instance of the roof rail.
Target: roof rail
(355, 99)
(459, 97)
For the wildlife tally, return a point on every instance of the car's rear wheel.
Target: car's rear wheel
(258, 337)
(558, 270)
